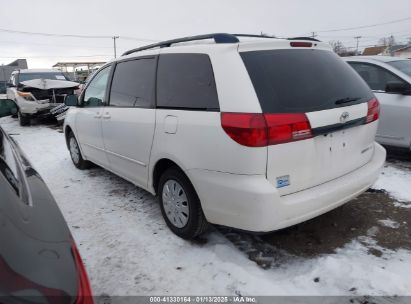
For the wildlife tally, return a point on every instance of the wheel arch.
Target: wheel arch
(161, 165)
(67, 131)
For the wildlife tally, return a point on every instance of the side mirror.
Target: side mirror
(398, 88)
(71, 100)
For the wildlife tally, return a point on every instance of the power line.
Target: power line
(365, 36)
(58, 45)
(56, 56)
(52, 34)
(138, 39)
(365, 26)
(72, 35)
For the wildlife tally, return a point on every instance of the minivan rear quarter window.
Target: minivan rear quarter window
(186, 81)
(298, 81)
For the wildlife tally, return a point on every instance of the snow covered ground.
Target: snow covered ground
(398, 183)
(128, 249)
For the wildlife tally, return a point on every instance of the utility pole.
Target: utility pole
(115, 48)
(358, 41)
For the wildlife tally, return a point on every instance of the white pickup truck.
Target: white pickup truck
(39, 93)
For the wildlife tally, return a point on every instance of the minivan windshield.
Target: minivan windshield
(45, 75)
(300, 80)
(403, 65)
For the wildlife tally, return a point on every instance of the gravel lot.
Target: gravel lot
(361, 248)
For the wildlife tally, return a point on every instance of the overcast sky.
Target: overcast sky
(166, 19)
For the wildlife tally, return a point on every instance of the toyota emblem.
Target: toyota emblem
(344, 117)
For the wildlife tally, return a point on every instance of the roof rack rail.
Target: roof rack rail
(218, 38)
(255, 36)
(304, 38)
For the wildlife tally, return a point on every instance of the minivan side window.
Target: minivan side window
(133, 83)
(96, 90)
(186, 81)
(376, 77)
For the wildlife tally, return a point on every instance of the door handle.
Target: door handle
(107, 115)
(97, 115)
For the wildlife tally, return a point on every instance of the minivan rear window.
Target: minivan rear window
(300, 80)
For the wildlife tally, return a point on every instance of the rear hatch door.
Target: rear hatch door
(333, 97)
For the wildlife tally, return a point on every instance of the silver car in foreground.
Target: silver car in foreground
(390, 80)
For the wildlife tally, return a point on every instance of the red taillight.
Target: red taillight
(284, 128)
(373, 110)
(248, 129)
(84, 294)
(259, 130)
(300, 44)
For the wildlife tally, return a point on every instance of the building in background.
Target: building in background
(374, 50)
(6, 70)
(78, 71)
(399, 50)
(391, 50)
(404, 52)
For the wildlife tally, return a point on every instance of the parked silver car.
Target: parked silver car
(390, 80)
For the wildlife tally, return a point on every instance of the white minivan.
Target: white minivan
(253, 133)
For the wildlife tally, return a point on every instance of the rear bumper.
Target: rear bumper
(250, 202)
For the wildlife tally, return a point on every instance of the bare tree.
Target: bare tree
(387, 41)
(338, 47)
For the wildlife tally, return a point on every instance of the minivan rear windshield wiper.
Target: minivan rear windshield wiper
(347, 100)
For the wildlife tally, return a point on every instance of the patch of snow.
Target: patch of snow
(389, 223)
(397, 183)
(372, 231)
(128, 249)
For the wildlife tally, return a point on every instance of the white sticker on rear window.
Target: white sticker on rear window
(283, 181)
(60, 77)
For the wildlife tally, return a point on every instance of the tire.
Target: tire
(181, 210)
(15, 112)
(23, 120)
(75, 153)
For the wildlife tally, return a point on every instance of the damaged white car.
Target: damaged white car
(39, 93)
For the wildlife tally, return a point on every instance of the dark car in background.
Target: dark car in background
(39, 260)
